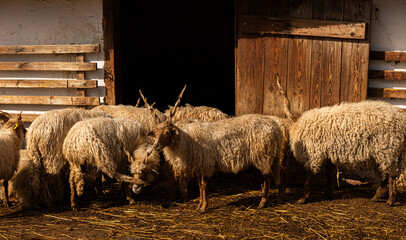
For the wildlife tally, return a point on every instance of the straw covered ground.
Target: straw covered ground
(232, 214)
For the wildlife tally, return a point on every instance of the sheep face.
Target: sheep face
(17, 126)
(164, 135)
(143, 172)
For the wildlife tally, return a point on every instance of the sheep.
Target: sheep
(11, 138)
(108, 145)
(4, 117)
(203, 113)
(144, 115)
(369, 135)
(230, 145)
(44, 148)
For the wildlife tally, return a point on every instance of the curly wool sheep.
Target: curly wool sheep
(107, 144)
(202, 113)
(11, 138)
(230, 145)
(368, 135)
(44, 147)
(144, 115)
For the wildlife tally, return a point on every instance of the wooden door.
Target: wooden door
(319, 48)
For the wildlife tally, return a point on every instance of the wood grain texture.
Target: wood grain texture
(47, 66)
(23, 83)
(50, 100)
(50, 49)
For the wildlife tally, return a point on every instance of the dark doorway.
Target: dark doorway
(167, 44)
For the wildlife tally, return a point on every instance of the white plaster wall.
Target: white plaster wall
(388, 33)
(44, 22)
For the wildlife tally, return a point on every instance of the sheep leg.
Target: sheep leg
(203, 196)
(128, 194)
(98, 183)
(73, 194)
(5, 184)
(392, 191)
(183, 188)
(382, 189)
(306, 188)
(265, 190)
(329, 174)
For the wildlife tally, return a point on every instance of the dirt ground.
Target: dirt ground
(232, 214)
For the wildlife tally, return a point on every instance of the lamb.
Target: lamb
(230, 145)
(108, 145)
(368, 135)
(11, 138)
(44, 149)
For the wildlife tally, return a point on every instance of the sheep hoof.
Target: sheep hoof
(301, 201)
(390, 203)
(375, 199)
(131, 201)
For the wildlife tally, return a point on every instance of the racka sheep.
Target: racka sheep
(368, 135)
(230, 145)
(44, 149)
(203, 113)
(11, 138)
(108, 145)
(144, 115)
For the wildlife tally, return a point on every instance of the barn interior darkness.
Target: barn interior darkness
(167, 44)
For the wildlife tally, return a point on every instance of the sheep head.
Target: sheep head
(16, 125)
(164, 134)
(144, 167)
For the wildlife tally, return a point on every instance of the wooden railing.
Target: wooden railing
(387, 74)
(79, 66)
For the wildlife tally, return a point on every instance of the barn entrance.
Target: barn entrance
(167, 44)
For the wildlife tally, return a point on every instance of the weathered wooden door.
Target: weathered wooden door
(319, 48)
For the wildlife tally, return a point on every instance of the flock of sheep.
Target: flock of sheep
(71, 150)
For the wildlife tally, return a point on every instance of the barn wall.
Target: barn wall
(41, 22)
(388, 34)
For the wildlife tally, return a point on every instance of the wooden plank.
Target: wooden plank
(80, 75)
(299, 63)
(249, 83)
(37, 83)
(355, 55)
(387, 93)
(50, 49)
(331, 60)
(316, 71)
(50, 100)
(26, 117)
(276, 52)
(276, 61)
(47, 66)
(303, 27)
(388, 56)
(387, 74)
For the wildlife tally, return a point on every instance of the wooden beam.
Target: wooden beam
(50, 49)
(388, 56)
(387, 93)
(387, 74)
(26, 117)
(303, 27)
(23, 83)
(47, 66)
(50, 100)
